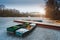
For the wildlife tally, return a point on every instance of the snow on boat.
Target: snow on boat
(21, 29)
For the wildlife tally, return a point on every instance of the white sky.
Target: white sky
(30, 8)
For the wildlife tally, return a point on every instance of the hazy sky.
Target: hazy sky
(24, 5)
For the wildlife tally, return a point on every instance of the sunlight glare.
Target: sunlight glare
(42, 11)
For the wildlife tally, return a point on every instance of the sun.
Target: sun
(42, 11)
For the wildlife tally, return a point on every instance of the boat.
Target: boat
(12, 29)
(21, 29)
(24, 31)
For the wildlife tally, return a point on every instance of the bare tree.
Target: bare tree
(52, 10)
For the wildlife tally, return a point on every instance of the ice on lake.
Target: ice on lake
(38, 34)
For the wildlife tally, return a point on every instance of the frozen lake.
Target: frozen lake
(38, 34)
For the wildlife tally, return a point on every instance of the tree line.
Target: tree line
(14, 13)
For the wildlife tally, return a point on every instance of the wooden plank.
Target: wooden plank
(42, 24)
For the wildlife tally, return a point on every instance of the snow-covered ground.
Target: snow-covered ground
(38, 34)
